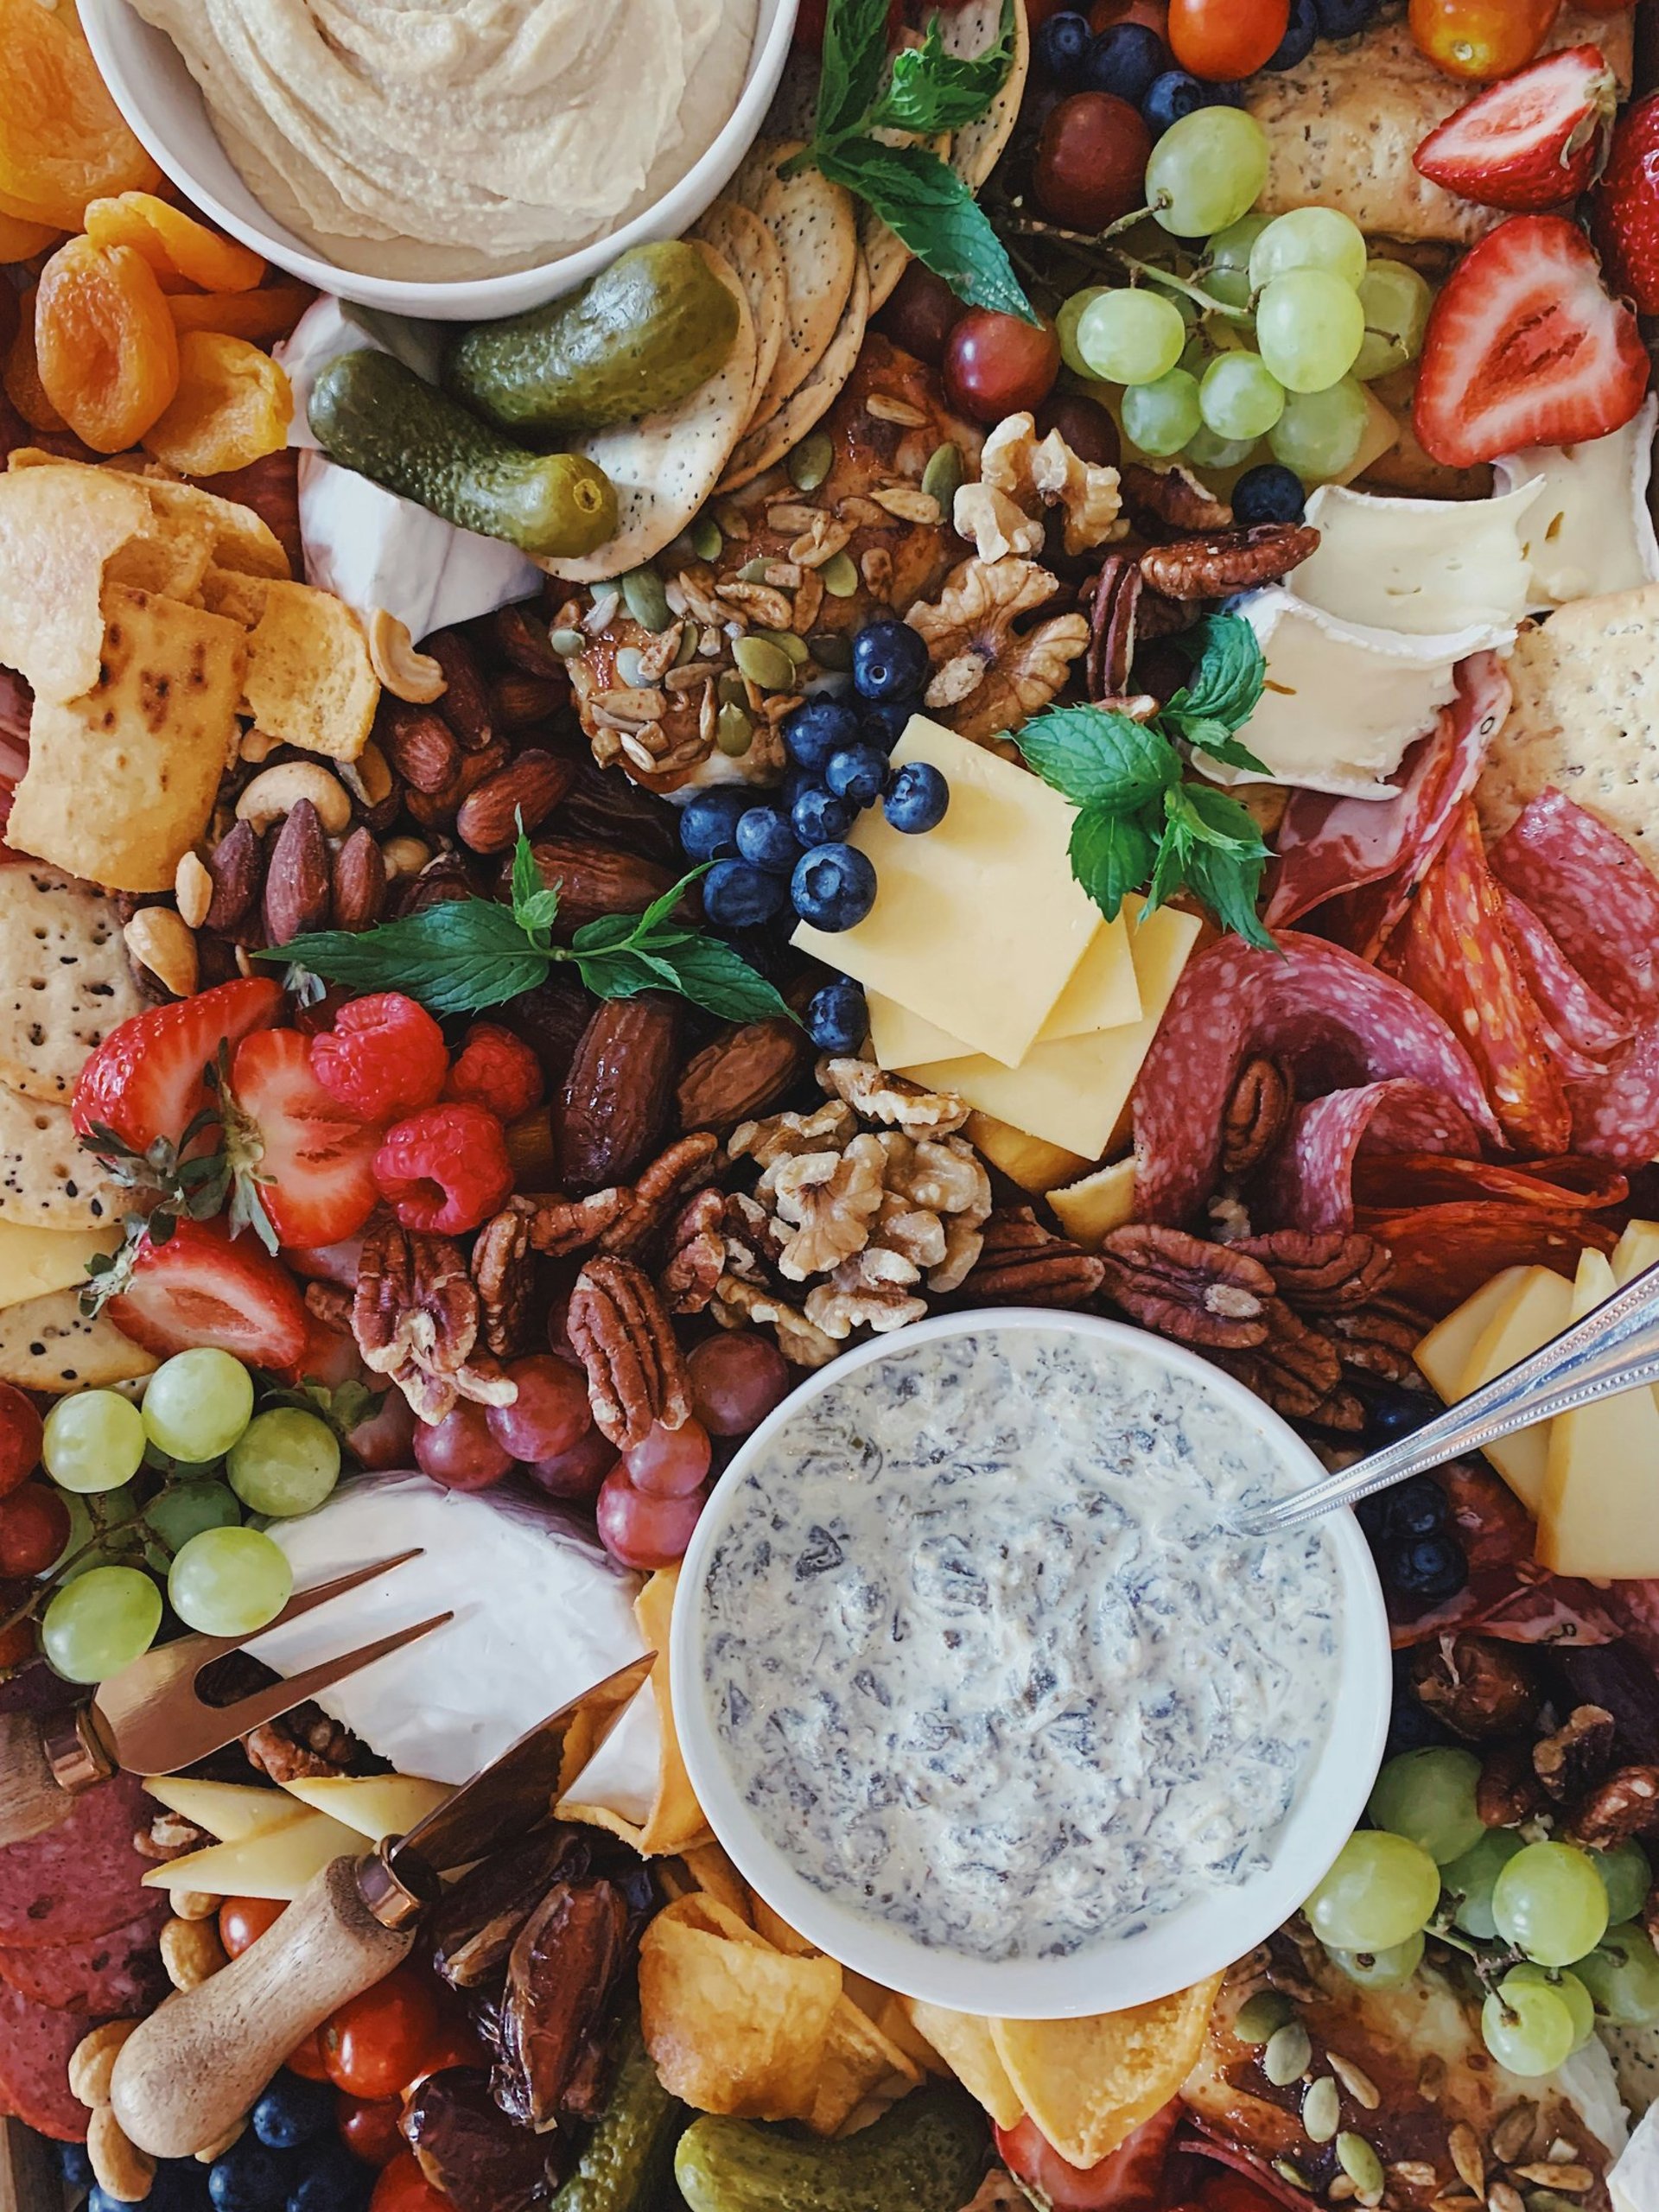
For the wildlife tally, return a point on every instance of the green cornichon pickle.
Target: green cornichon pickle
(927, 2155)
(645, 333)
(630, 2154)
(371, 414)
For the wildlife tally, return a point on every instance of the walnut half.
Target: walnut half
(990, 677)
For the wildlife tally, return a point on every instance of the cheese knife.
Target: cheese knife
(189, 2072)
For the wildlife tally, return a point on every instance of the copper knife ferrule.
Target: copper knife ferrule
(75, 1751)
(397, 1890)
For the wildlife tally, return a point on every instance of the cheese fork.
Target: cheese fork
(151, 1719)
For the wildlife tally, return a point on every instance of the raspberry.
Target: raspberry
(384, 1057)
(494, 1069)
(445, 1170)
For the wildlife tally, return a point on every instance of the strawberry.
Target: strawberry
(146, 1080)
(200, 1288)
(303, 1162)
(1525, 348)
(1531, 140)
(1625, 213)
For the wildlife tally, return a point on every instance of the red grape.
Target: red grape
(20, 1438)
(1091, 160)
(386, 1439)
(18, 1641)
(1085, 426)
(576, 1474)
(736, 1380)
(997, 365)
(672, 1462)
(551, 1413)
(460, 1452)
(368, 2127)
(34, 1530)
(645, 1532)
(558, 1335)
(921, 315)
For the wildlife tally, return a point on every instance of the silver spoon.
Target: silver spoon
(1615, 1348)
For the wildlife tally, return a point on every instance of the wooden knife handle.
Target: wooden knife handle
(31, 1799)
(187, 2073)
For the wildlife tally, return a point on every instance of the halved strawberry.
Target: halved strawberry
(202, 1288)
(1625, 215)
(301, 1158)
(1533, 140)
(146, 1080)
(1524, 348)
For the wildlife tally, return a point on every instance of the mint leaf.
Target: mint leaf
(535, 905)
(854, 51)
(1169, 871)
(1227, 681)
(933, 90)
(1228, 882)
(1096, 757)
(455, 958)
(1215, 819)
(1110, 854)
(932, 211)
(714, 977)
(1212, 740)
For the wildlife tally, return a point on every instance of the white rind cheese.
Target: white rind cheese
(1589, 532)
(1634, 2182)
(1423, 567)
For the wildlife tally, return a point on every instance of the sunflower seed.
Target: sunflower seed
(1413, 2173)
(1550, 2175)
(1339, 2189)
(1503, 2199)
(886, 409)
(1465, 2157)
(1512, 2132)
(1358, 2084)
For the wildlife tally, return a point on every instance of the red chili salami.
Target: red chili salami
(119, 1973)
(1584, 1030)
(1310, 1181)
(81, 1879)
(1438, 1180)
(1337, 1021)
(35, 2042)
(1442, 1254)
(1592, 893)
(1615, 1116)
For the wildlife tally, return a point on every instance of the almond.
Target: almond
(466, 702)
(359, 883)
(298, 883)
(434, 810)
(237, 867)
(527, 790)
(423, 748)
(614, 1110)
(594, 880)
(742, 1074)
(519, 702)
(521, 637)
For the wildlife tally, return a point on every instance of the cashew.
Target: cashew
(119, 2167)
(404, 856)
(369, 777)
(233, 2133)
(195, 1904)
(158, 940)
(93, 2061)
(191, 1952)
(274, 796)
(192, 887)
(257, 745)
(406, 673)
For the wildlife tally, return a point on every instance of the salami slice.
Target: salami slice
(119, 1973)
(1435, 1179)
(1337, 1021)
(35, 2042)
(1616, 1114)
(1586, 1030)
(1310, 1181)
(81, 1879)
(1592, 894)
(1442, 1254)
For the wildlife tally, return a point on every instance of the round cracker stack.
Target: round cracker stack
(769, 441)
(65, 978)
(48, 1344)
(738, 234)
(816, 226)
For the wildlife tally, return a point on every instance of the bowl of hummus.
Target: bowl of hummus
(459, 161)
(979, 1691)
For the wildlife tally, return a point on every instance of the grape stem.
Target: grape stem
(1196, 293)
(1096, 242)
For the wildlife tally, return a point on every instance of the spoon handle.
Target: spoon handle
(1615, 1348)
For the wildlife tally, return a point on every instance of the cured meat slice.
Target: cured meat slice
(36, 2042)
(81, 1879)
(1429, 1180)
(1592, 893)
(1455, 954)
(1616, 1114)
(1442, 1254)
(119, 1973)
(1310, 1181)
(1335, 1021)
(1586, 1029)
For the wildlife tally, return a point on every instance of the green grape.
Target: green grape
(1197, 355)
(1310, 238)
(1383, 1890)
(1429, 1796)
(1309, 329)
(183, 1510)
(1622, 1975)
(1239, 399)
(1161, 417)
(197, 1403)
(1230, 286)
(1568, 1987)
(1205, 450)
(229, 1581)
(287, 1462)
(1527, 2027)
(1320, 433)
(1395, 301)
(1473, 1878)
(1551, 1903)
(1207, 170)
(1231, 248)
(1065, 324)
(1130, 337)
(101, 1622)
(103, 1530)
(1627, 1877)
(94, 1440)
(1389, 1969)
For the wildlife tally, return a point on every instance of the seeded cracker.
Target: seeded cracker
(48, 1344)
(768, 442)
(816, 229)
(979, 146)
(738, 232)
(65, 980)
(46, 1179)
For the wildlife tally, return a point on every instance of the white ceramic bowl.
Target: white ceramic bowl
(158, 96)
(1198, 1938)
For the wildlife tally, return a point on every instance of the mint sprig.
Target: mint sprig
(470, 953)
(1139, 820)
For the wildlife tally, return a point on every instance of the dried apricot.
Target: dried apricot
(23, 376)
(233, 407)
(21, 240)
(173, 243)
(260, 317)
(62, 138)
(108, 353)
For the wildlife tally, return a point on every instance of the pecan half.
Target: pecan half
(688, 1163)
(1322, 1271)
(697, 1254)
(1022, 1263)
(1476, 1687)
(1577, 1754)
(415, 1316)
(1112, 614)
(1508, 1793)
(1256, 1117)
(1378, 1343)
(1627, 1805)
(1297, 1371)
(740, 1074)
(560, 1227)
(1166, 502)
(1227, 561)
(505, 1277)
(1198, 1294)
(623, 1337)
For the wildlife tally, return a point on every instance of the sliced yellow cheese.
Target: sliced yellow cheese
(34, 1263)
(232, 1811)
(376, 1805)
(1102, 993)
(1089, 1211)
(1600, 1511)
(1445, 1353)
(1071, 1092)
(276, 1863)
(979, 925)
(1540, 1312)
(1034, 1166)
(1380, 436)
(1638, 1248)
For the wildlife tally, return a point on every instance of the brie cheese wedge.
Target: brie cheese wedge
(1589, 530)
(1423, 567)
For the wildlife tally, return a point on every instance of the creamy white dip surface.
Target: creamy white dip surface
(980, 1660)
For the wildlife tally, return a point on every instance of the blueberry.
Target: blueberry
(738, 897)
(1410, 1728)
(333, 2182)
(813, 732)
(1061, 46)
(1394, 1414)
(837, 1018)
(1228, 93)
(292, 2111)
(821, 818)
(76, 2165)
(1416, 1508)
(916, 798)
(889, 660)
(709, 822)
(1342, 18)
(1269, 492)
(766, 840)
(180, 2185)
(885, 720)
(857, 773)
(1125, 60)
(1430, 1567)
(1170, 97)
(251, 2177)
(834, 887)
(1298, 41)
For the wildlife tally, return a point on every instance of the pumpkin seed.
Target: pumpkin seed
(687, 648)
(1359, 2161)
(787, 642)
(1321, 2110)
(838, 575)
(831, 650)
(566, 642)
(942, 476)
(628, 669)
(734, 733)
(729, 689)
(811, 461)
(764, 664)
(647, 600)
(1259, 2016)
(753, 572)
(1288, 2054)
(708, 539)
(1286, 2170)
(1550, 2200)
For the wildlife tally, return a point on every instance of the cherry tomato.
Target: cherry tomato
(1091, 160)
(404, 2188)
(997, 365)
(376, 2045)
(21, 1428)
(368, 2127)
(33, 1528)
(456, 2044)
(243, 1921)
(1224, 39)
(306, 2058)
(919, 317)
(1481, 38)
